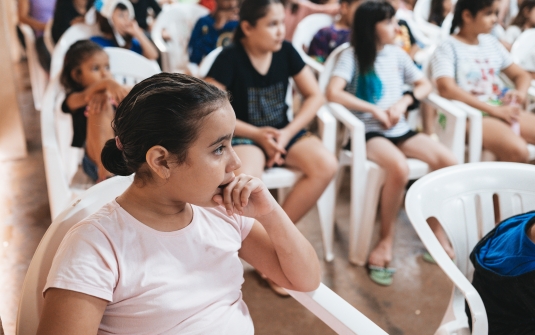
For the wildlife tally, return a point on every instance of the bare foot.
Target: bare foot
(381, 255)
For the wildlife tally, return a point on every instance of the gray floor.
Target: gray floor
(413, 305)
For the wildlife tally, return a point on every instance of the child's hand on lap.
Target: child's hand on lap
(395, 112)
(508, 114)
(267, 138)
(383, 117)
(247, 196)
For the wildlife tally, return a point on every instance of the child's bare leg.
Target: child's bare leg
(98, 132)
(527, 129)
(318, 166)
(429, 115)
(393, 161)
(499, 138)
(252, 159)
(437, 156)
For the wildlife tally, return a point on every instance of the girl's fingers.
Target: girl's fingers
(248, 188)
(227, 196)
(237, 191)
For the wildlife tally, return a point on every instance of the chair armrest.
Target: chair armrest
(475, 131)
(327, 128)
(161, 45)
(451, 129)
(314, 65)
(337, 313)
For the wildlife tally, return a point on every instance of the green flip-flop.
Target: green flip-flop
(381, 275)
(428, 258)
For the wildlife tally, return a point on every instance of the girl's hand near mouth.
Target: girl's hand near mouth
(247, 196)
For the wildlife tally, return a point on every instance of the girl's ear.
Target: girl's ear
(246, 27)
(76, 75)
(157, 159)
(467, 16)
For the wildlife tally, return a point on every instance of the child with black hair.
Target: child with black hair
(368, 79)
(213, 30)
(164, 256)
(91, 93)
(116, 20)
(329, 38)
(524, 20)
(439, 10)
(466, 67)
(256, 70)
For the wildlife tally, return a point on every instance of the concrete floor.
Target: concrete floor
(413, 305)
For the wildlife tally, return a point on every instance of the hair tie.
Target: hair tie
(118, 143)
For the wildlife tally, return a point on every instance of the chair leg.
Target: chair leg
(361, 224)
(326, 206)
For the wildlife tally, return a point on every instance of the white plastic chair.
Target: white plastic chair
(282, 178)
(523, 53)
(461, 198)
(367, 177)
(304, 33)
(61, 159)
(178, 21)
(76, 32)
(422, 8)
(38, 76)
(324, 303)
(475, 137)
(47, 36)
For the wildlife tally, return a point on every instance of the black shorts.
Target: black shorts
(396, 140)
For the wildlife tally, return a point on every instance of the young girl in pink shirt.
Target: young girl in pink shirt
(164, 257)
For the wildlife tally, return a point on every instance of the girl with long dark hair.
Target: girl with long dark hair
(368, 80)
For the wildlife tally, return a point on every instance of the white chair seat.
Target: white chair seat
(417, 168)
(277, 177)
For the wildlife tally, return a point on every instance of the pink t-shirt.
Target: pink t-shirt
(182, 282)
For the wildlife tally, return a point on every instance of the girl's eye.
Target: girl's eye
(219, 150)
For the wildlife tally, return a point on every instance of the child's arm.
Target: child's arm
(24, 16)
(81, 99)
(448, 88)
(148, 49)
(67, 312)
(521, 79)
(421, 90)
(275, 247)
(336, 93)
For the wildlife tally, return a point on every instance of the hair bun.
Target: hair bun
(113, 159)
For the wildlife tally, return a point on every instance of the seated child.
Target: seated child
(504, 262)
(439, 10)
(256, 70)
(164, 256)
(523, 21)
(404, 38)
(91, 91)
(466, 67)
(329, 38)
(117, 23)
(297, 10)
(368, 79)
(213, 30)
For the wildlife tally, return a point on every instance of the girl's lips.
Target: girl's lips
(222, 186)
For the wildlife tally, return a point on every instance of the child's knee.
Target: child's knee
(398, 172)
(325, 168)
(518, 153)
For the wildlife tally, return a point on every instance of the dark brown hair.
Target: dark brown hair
(251, 11)
(166, 109)
(78, 53)
(473, 6)
(521, 19)
(106, 28)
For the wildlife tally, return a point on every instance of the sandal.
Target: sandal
(381, 275)
(428, 258)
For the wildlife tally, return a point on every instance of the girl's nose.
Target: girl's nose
(234, 161)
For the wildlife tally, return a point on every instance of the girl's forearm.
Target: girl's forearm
(522, 83)
(457, 93)
(297, 258)
(351, 102)
(149, 50)
(306, 114)
(244, 129)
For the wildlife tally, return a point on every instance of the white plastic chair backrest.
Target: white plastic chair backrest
(461, 198)
(329, 65)
(178, 21)
(304, 33)
(422, 9)
(47, 36)
(89, 202)
(76, 32)
(524, 48)
(128, 67)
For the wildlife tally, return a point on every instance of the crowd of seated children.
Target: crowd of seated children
(36, 14)
(296, 10)
(256, 70)
(466, 67)
(213, 30)
(329, 38)
(186, 221)
(504, 262)
(368, 80)
(439, 10)
(524, 20)
(116, 20)
(91, 94)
